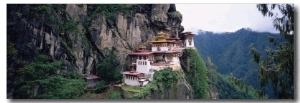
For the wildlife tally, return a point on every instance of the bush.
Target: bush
(39, 79)
(114, 95)
(175, 14)
(107, 68)
(162, 80)
(100, 86)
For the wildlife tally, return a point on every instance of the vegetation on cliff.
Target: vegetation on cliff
(111, 10)
(106, 68)
(228, 87)
(162, 81)
(196, 72)
(43, 78)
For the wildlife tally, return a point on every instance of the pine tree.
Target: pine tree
(276, 71)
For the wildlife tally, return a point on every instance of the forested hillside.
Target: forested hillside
(231, 51)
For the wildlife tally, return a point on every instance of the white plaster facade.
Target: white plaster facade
(153, 48)
(187, 44)
(164, 48)
(143, 66)
(175, 60)
(132, 81)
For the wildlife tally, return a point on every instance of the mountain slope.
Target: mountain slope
(230, 51)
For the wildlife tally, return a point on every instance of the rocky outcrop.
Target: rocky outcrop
(213, 92)
(130, 32)
(82, 49)
(77, 34)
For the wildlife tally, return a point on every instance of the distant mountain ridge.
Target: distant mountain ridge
(199, 32)
(230, 51)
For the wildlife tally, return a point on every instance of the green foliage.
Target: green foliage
(197, 76)
(110, 10)
(145, 91)
(230, 51)
(70, 26)
(11, 50)
(53, 17)
(162, 79)
(114, 95)
(276, 71)
(41, 68)
(135, 89)
(212, 72)
(69, 50)
(107, 68)
(228, 90)
(46, 12)
(43, 9)
(40, 79)
(175, 14)
(71, 74)
(100, 86)
(166, 76)
(284, 23)
(57, 87)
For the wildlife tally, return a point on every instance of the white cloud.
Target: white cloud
(223, 17)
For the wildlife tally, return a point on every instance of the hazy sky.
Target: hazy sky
(223, 17)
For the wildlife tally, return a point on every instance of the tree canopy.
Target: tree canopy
(196, 73)
(276, 71)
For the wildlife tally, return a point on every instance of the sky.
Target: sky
(223, 17)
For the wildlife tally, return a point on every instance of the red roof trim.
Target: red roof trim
(92, 77)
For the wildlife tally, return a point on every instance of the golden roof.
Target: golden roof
(161, 38)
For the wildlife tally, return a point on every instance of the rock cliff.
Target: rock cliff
(78, 33)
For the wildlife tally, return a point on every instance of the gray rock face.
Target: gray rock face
(130, 32)
(82, 49)
(213, 92)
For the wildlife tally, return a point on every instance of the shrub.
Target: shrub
(100, 86)
(114, 95)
